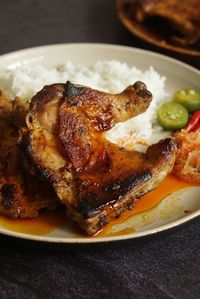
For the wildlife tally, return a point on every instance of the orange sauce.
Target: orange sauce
(147, 202)
(47, 222)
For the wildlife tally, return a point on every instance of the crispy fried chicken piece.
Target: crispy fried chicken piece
(89, 112)
(182, 16)
(21, 194)
(94, 178)
(187, 164)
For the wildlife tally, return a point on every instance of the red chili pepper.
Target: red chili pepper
(197, 127)
(194, 122)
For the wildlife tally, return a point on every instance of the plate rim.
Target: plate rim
(18, 52)
(92, 240)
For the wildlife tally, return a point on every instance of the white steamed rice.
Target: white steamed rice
(110, 76)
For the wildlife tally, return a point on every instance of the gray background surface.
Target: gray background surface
(165, 266)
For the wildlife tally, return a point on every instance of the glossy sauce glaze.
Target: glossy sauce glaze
(48, 221)
(45, 223)
(150, 200)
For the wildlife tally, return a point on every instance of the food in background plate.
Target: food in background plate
(181, 17)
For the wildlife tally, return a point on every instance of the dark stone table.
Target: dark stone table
(165, 266)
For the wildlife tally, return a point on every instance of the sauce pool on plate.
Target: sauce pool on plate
(48, 221)
(44, 224)
(150, 200)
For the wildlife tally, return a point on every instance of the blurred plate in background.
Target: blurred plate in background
(151, 32)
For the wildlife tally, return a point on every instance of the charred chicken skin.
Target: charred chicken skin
(21, 194)
(65, 144)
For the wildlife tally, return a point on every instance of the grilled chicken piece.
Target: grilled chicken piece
(94, 178)
(183, 17)
(21, 194)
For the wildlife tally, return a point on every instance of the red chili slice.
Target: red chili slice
(194, 122)
(197, 127)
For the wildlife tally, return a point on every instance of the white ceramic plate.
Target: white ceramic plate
(171, 212)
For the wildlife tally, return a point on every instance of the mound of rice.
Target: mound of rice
(110, 76)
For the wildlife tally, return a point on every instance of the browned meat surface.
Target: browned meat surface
(89, 112)
(21, 194)
(182, 16)
(94, 178)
